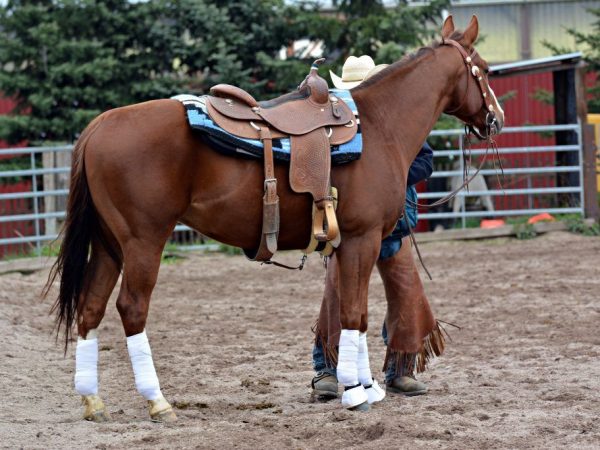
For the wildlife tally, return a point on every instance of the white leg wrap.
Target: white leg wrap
(375, 393)
(347, 371)
(140, 354)
(354, 397)
(364, 368)
(86, 365)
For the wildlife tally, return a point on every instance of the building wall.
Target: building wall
(515, 30)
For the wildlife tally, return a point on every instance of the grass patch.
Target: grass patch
(524, 231)
(50, 250)
(229, 249)
(470, 222)
(578, 226)
(171, 254)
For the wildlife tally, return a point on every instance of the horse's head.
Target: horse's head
(473, 101)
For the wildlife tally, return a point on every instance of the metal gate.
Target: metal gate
(530, 183)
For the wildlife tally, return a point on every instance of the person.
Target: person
(409, 331)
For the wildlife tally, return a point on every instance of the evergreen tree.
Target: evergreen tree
(592, 56)
(591, 42)
(66, 61)
(385, 33)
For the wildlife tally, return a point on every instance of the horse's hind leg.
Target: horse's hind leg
(141, 264)
(101, 276)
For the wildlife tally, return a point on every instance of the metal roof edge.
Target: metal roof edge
(549, 63)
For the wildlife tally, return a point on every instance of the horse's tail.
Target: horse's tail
(80, 228)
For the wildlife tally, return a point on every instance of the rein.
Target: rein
(469, 129)
(490, 121)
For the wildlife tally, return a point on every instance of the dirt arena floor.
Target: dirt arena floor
(231, 342)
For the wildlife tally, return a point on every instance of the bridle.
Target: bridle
(490, 121)
(484, 88)
(491, 125)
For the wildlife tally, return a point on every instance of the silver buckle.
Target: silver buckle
(269, 180)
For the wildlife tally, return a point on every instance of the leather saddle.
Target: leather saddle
(313, 120)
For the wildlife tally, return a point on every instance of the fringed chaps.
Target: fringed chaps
(414, 336)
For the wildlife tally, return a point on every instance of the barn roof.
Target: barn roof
(549, 64)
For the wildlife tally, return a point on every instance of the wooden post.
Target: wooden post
(49, 184)
(590, 186)
(55, 181)
(63, 159)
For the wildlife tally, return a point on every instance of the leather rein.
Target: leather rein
(490, 123)
(491, 129)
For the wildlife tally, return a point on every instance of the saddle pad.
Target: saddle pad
(229, 144)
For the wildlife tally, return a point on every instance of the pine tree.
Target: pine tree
(66, 61)
(385, 33)
(591, 43)
(592, 57)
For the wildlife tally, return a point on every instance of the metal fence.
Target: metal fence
(535, 185)
(538, 178)
(37, 215)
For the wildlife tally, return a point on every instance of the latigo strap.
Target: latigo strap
(270, 226)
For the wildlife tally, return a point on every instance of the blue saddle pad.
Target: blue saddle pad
(230, 144)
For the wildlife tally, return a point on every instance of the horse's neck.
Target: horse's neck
(398, 111)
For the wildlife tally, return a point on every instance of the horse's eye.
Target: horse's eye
(486, 71)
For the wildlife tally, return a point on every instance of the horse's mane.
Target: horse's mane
(406, 61)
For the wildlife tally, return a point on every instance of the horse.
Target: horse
(139, 169)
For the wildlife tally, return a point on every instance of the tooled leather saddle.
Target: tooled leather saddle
(314, 120)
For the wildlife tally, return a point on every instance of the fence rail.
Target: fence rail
(49, 168)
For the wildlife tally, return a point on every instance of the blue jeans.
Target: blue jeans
(318, 357)
(320, 365)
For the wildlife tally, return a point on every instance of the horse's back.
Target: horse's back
(145, 162)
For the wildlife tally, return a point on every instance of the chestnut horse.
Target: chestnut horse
(140, 169)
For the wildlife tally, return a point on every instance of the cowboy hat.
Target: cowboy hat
(355, 71)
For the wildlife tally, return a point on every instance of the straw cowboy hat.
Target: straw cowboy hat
(355, 71)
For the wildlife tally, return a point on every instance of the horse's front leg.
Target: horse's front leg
(356, 258)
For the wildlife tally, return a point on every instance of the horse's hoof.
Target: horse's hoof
(161, 411)
(375, 393)
(353, 397)
(363, 407)
(95, 411)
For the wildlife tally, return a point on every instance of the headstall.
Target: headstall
(490, 122)
(475, 71)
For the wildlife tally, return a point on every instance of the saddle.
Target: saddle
(314, 120)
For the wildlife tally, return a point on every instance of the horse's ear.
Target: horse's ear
(471, 32)
(448, 27)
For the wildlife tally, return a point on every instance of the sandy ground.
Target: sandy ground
(231, 342)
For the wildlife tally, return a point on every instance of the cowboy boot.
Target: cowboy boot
(408, 386)
(325, 386)
(409, 318)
